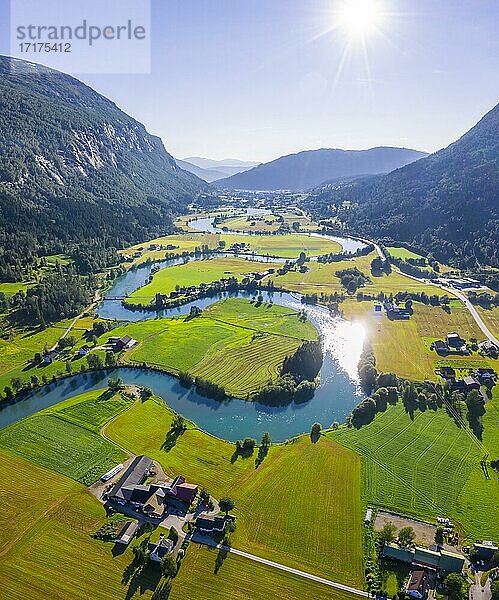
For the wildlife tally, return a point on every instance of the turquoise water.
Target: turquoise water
(232, 419)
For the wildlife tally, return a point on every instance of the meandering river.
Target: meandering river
(232, 419)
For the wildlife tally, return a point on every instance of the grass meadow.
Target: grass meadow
(239, 579)
(65, 438)
(428, 466)
(235, 343)
(284, 246)
(206, 271)
(301, 506)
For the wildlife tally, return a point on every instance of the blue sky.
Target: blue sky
(256, 79)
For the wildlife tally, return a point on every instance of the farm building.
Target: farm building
(440, 561)
(211, 525)
(124, 343)
(161, 549)
(153, 499)
(485, 550)
(126, 534)
(455, 341)
(134, 475)
(394, 312)
(440, 347)
(418, 584)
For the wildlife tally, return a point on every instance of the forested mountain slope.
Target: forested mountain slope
(310, 168)
(75, 170)
(446, 203)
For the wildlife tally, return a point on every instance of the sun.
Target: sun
(358, 17)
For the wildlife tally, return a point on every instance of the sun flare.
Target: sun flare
(359, 17)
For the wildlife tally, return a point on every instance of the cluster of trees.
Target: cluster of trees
(380, 266)
(263, 449)
(339, 256)
(484, 299)
(59, 295)
(352, 279)
(283, 391)
(305, 363)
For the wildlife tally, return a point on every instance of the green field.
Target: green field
(427, 466)
(403, 347)
(234, 343)
(301, 507)
(285, 246)
(186, 242)
(65, 438)
(46, 548)
(195, 273)
(320, 278)
(403, 253)
(18, 346)
(9, 289)
(242, 579)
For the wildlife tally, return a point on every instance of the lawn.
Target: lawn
(301, 507)
(285, 246)
(427, 466)
(235, 343)
(402, 347)
(239, 579)
(194, 273)
(65, 439)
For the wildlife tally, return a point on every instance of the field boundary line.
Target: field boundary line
(281, 567)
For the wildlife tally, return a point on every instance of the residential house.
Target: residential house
(417, 586)
(489, 348)
(470, 383)
(211, 525)
(394, 312)
(161, 549)
(126, 534)
(124, 343)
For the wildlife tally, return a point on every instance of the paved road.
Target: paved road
(463, 299)
(276, 565)
(477, 592)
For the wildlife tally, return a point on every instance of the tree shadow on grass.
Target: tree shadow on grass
(163, 591)
(171, 439)
(140, 578)
(221, 556)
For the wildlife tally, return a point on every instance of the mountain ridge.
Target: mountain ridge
(307, 169)
(446, 202)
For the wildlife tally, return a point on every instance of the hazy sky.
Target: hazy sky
(255, 79)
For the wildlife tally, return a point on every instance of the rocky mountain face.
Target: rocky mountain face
(74, 167)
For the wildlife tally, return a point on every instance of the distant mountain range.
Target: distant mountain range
(211, 170)
(311, 168)
(447, 203)
(75, 168)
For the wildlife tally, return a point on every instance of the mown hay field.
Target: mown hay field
(64, 438)
(427, 466)
(301, 506)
